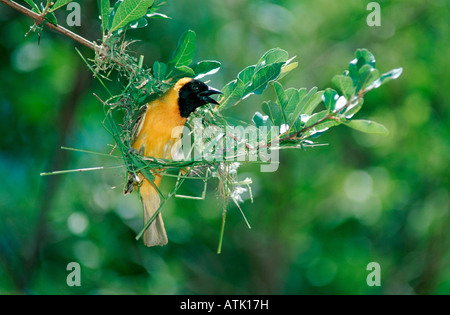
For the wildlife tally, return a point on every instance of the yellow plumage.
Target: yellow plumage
(154, 139)
(155, 133)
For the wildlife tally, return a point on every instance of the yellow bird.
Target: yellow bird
(152, 137)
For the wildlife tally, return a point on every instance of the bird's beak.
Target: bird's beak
(205, 95)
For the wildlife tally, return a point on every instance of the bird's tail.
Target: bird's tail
(156, 232)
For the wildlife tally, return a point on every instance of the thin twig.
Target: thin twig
(39, 20)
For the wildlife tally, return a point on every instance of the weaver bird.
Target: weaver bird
(152, 137)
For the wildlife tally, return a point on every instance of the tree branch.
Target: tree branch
(39, 20)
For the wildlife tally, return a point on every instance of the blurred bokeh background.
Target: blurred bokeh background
(316, 223)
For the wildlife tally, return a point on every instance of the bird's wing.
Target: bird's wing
(137, 127)
(138, 122)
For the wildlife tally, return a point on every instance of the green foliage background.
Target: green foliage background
(316, 223)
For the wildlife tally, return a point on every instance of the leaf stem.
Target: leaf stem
(222, 229)
(80, 170)
(297, 133)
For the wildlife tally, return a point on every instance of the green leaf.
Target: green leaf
(58, 4)
(366, 126)
(158, 16)
(260, 120)
(205, 67)
(316, 118)
(273, 110)
(33, 5)
(345, 85)
(185, 51)
(112, 12)
(293, 100)
(310, 101)
(354, 108)
(263, 77)
(326, 125)
(246, 75)
(306, 104)
(374, 75)
(281, 95)
(155, 7)
(391, 75)
(142, 22)
(295, 125)
(184, 71)
(287, 100)
(365, 75)
(386, 77)
(236, 122)
(129, 11)
(51, 17)
(363, 57)
(274, 55)
(288, 67)
(320, 128)
(329, 98)
(159, 70)
(104, 14)
(232, 94)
